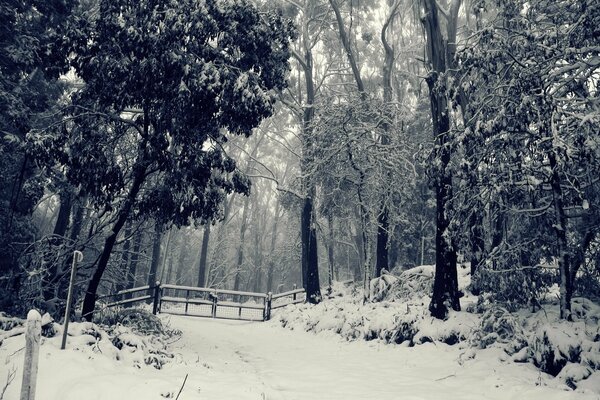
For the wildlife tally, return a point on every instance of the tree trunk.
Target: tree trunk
(330, 249)
(383, 224)
(203, 256)
(310, 255)
(133, 260)
(240, 253)
(477, 242)
(440, 54)
(60, 229)
(560, 228)
(89, 302)
(156, 242)
(271, 267)
(125, 256)
(183, 250)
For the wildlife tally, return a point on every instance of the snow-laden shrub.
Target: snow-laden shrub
(555, 345)
(573, 373)
(498, 325)
(513, 288)
(380, 287)
(149, 350)
(120, 343)
(414, 283)
(137, 319)
(7, 322)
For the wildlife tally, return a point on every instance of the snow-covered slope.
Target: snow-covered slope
(241, 360)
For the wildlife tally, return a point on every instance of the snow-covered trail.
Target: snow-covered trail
(258, 361)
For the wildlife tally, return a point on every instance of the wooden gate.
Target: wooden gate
(206, 302)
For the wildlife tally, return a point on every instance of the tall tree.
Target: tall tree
(440, 50)
(176, 82)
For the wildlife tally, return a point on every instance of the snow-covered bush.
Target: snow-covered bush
(380, 287)
(414, 283)
(555, 345)
(513, 288)
(137, 319)
(7, 322)
(498, 325)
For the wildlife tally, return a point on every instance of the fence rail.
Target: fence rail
(207, 302)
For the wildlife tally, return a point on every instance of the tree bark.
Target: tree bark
(203, 256)
(560, 228)
(89, 302)
(240, 253)
(156, 250)
(310, 254)
(440, 54)
(383, 224)
(308, 234)
(330, 249)
(271, 268)
(60, 229)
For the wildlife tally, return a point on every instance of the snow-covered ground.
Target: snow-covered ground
(244, 360)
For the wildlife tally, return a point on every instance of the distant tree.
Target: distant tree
(165, 83)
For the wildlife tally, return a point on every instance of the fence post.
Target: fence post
(268, 300)
(187, 298)
(32, 351)
(77, 257)
(214, 303)
(155, 304)
(295, 287)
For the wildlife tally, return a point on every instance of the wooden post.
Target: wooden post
(32, 351)
(268, 301)
(187, 298)
(155, 307)
(77, 257)
(295, 287)
(214, 303)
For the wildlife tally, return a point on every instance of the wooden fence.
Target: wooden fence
(206, 302)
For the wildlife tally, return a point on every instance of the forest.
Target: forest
(258, 145)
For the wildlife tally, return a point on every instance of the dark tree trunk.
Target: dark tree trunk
(382, 241)
(133, 260)
(240, 255)
(64, 213)
(310, 257)
(439, 52)
(383, 224)
(560, 228)
(60, 229)
(89, 302)
(330, 249)
(152, 273)
(183, 250)
(271, 267)
(125, 256)
(477, 243)
(310, 260)
(203, 256)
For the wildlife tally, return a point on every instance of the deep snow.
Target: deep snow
(249, 360)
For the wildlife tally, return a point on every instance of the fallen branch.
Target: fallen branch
(182, 385)
(13, 332)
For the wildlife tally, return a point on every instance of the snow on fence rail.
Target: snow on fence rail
(207, 302)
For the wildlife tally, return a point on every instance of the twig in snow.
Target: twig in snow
(9, 378)
(182, 385)
(446, 377)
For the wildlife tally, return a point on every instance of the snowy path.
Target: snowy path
(264, 361)
(239, 360)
